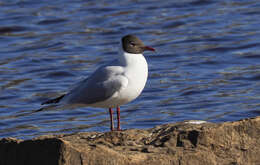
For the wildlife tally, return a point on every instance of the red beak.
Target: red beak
(149, 48)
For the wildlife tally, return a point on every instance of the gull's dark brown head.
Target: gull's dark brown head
(132, 44)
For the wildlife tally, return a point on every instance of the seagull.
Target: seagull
(113, 84)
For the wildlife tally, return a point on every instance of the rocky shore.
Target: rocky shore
(184, 143)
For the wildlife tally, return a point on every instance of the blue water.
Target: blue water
(207, 64)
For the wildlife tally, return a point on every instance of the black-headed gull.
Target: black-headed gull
(114, 84)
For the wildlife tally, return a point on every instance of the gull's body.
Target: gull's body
(114, 84)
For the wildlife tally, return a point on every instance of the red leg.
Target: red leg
(111, 119)
(118, 118)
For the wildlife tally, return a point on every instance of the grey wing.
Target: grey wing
(101, 85)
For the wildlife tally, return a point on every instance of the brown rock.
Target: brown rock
(230, 143)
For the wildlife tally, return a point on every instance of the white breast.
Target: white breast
(136, 70)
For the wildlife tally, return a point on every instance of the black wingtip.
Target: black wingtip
(52, 101)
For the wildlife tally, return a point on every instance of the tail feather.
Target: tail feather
(52, 101)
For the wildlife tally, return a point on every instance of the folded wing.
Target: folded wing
(101, 85)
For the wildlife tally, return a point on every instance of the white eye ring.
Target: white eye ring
(132, 43)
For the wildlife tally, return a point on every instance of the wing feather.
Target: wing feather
(101, 85)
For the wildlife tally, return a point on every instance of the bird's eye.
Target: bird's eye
(132, 43)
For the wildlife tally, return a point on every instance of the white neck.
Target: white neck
(126, 58)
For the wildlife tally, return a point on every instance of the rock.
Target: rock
(229, 143)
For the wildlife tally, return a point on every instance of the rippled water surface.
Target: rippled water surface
(207, 64)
